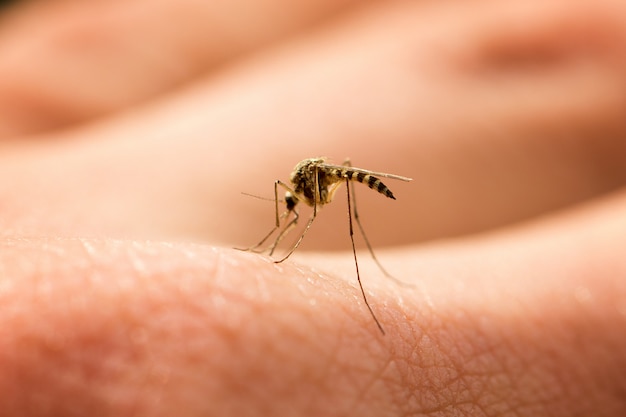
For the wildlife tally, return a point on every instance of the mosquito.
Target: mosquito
(314, 182)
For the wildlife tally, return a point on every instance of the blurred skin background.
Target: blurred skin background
(129, 130)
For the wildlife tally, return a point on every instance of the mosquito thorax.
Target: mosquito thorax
(303, 179)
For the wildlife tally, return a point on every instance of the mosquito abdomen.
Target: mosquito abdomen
(367, 179)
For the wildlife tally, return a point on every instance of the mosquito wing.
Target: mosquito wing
(367, 172)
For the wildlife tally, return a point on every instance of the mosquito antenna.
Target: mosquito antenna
(262, 198)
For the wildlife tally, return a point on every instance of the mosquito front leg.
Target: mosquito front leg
(310, 222)
(290, 209)
(356, 263)
(258, 245)
(284, 232)
(277, 224)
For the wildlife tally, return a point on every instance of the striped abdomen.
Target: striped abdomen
(367, 179)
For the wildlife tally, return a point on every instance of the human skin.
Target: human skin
(121, 293)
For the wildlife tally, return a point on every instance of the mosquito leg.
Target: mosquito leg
(310, 222)
(284, 232)
(254, 248)
(367, 242)
(294, 247)
(277, 225)
(356, 263)
(358, 222)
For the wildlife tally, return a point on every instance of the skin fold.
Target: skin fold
(128, 140)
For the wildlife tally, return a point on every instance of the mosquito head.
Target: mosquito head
(290, 201)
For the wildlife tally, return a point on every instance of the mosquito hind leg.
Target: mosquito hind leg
(350, 184)
(356, 263)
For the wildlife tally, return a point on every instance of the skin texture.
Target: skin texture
(126, 143)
